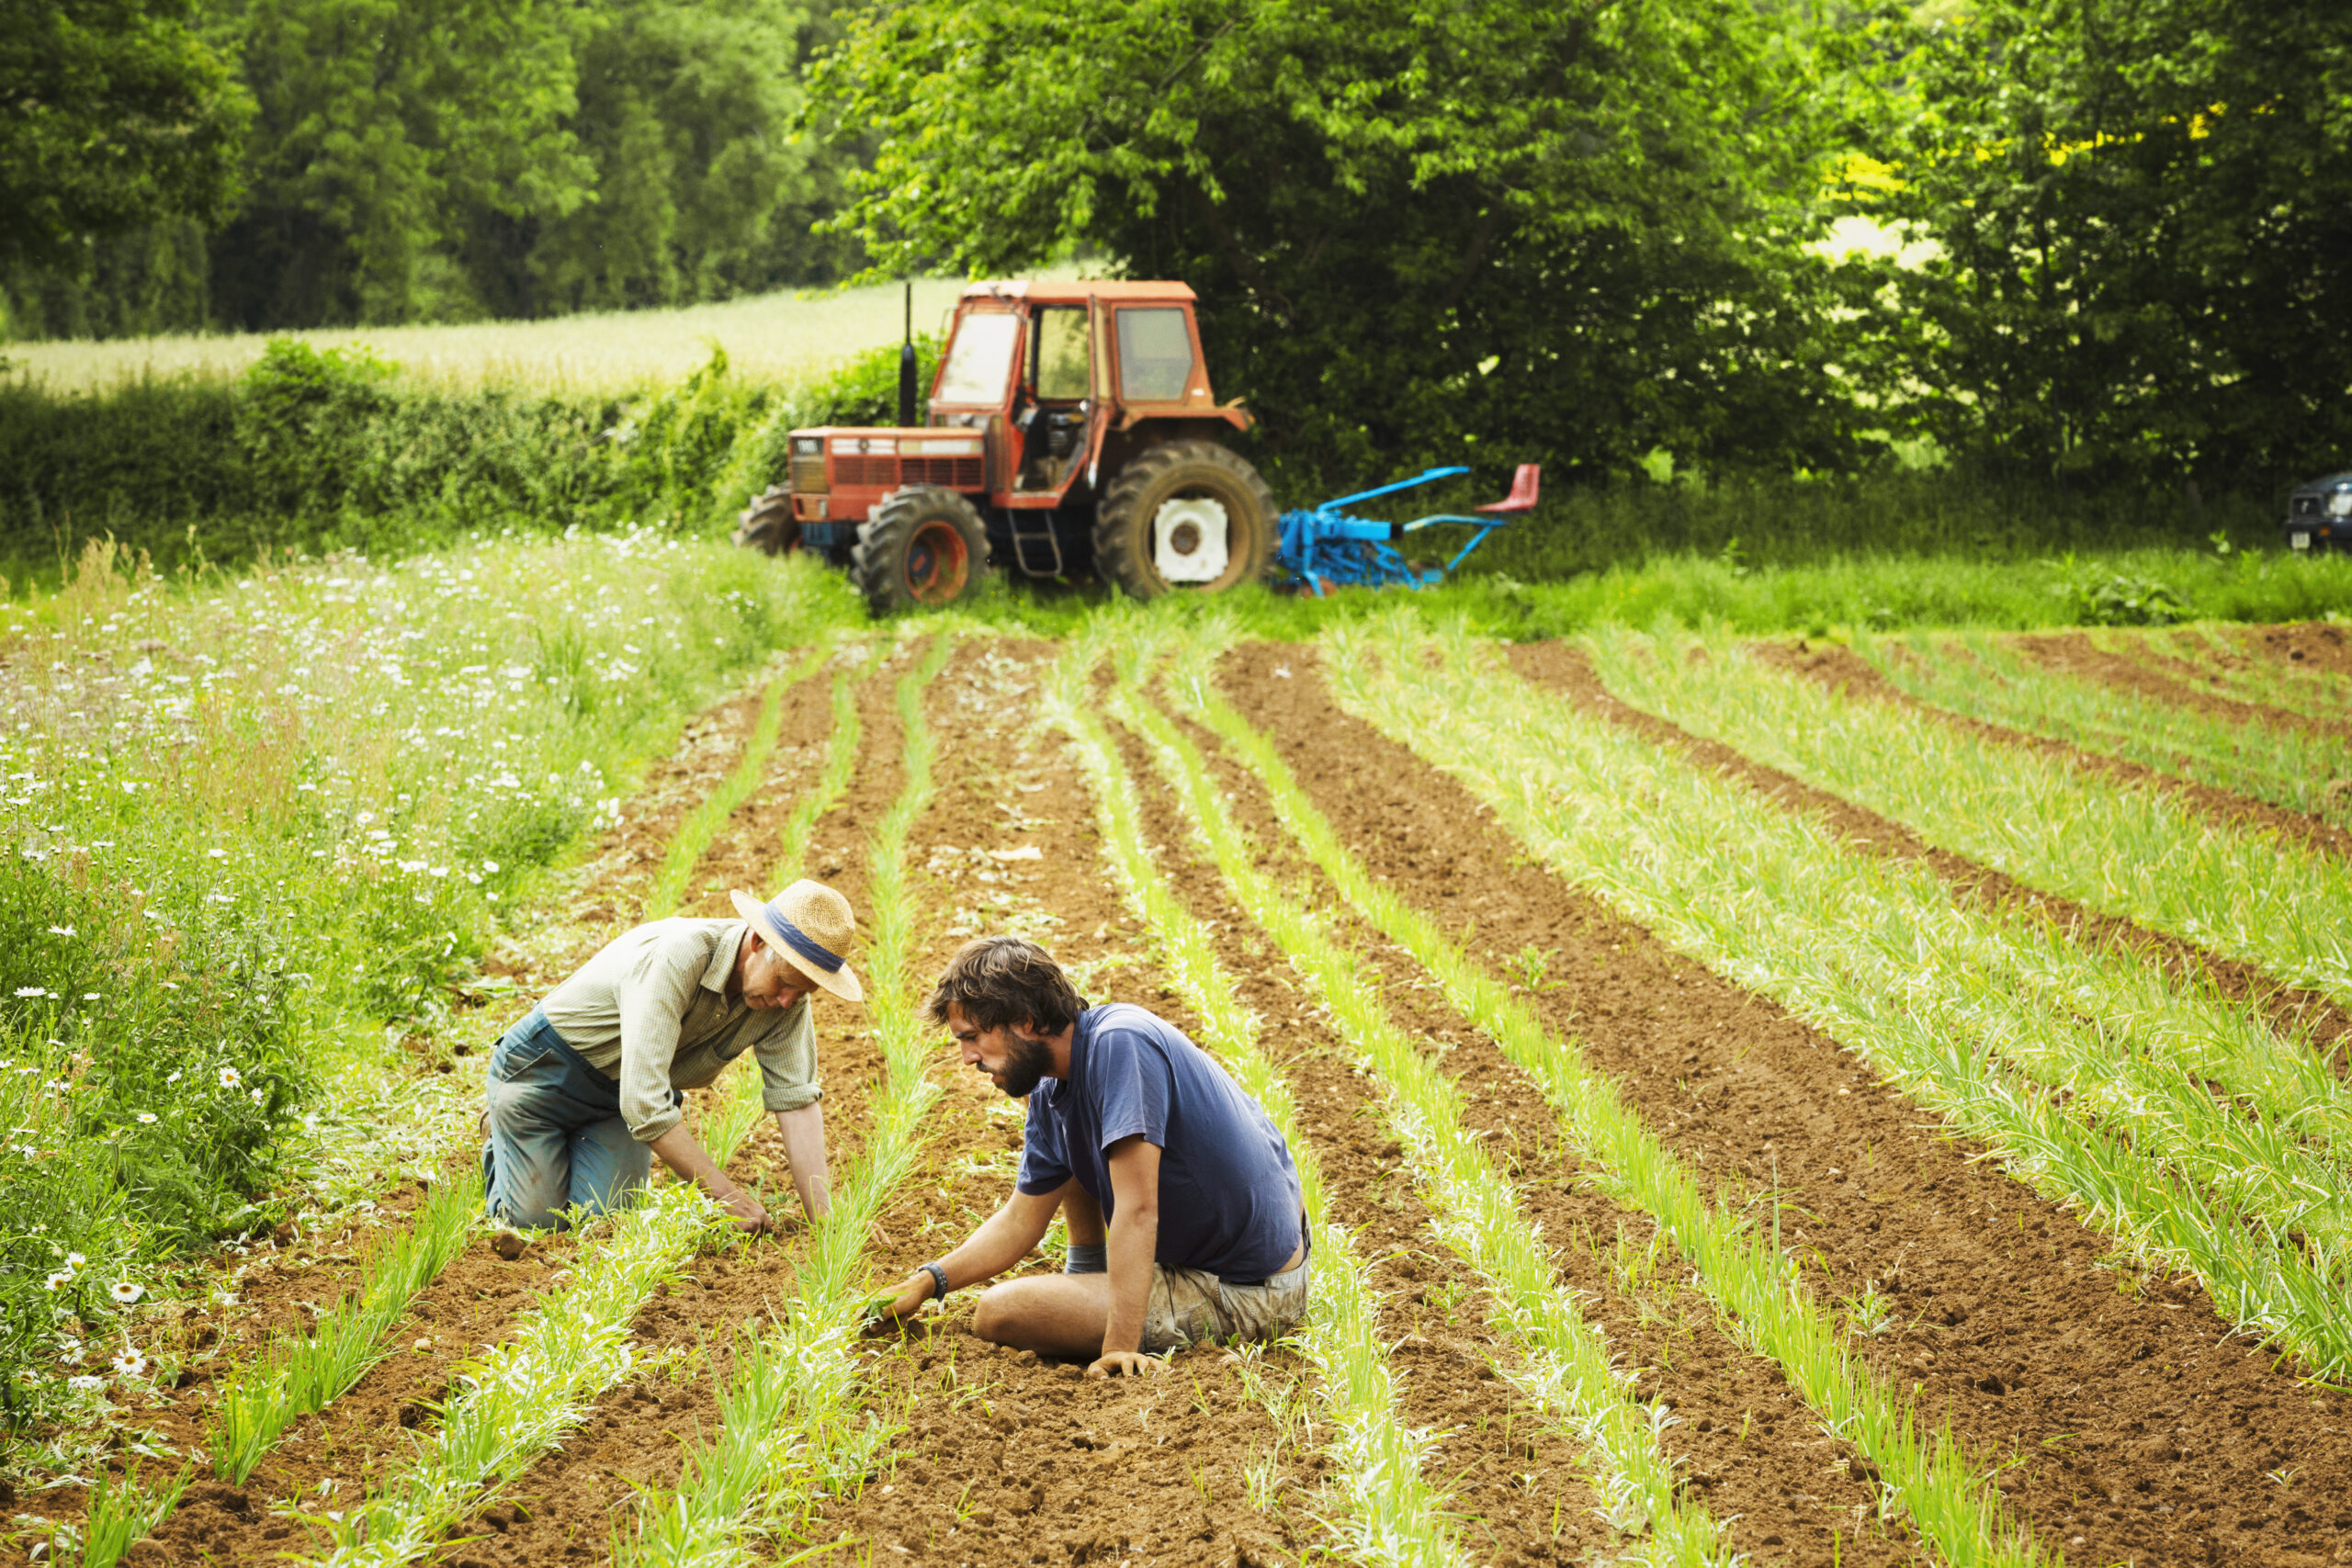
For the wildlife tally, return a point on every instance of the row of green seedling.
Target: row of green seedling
(700, 825)
(1753, 1284)
(790, 1430)
(1568, 1368)
(2221, 656)
(2130, 1044)
(1985, 678)
(523, 1395)
(1776, 902)
(1385, 1511)
(2130, 850)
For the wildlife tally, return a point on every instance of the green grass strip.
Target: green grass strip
(1387, 1511)
(1989, 680)
(789, 1428)
(298, 1376)
(2123, 850)
(1753, 1283)
(2136, 1046)
(702, 824)
(1775, 902)
(121, 1510)
(524, 1394)
(1570, 1369)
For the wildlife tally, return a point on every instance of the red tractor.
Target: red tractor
(1071, 426)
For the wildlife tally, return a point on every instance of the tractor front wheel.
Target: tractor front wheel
(768, 523)
(1188, 515)
(925, 546)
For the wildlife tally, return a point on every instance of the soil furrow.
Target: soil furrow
(2150, 673)
(2309, 645)
(2143, 1427)
(1842, 668)
(473, 1301)
(1003, 1458)
(2294, 1011)
(1747, 1441)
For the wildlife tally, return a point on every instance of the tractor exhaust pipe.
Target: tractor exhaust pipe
(906, 365)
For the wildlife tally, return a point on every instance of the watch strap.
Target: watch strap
(938, 1281)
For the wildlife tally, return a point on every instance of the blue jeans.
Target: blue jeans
(557, 1139)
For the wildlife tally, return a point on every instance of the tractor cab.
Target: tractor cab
(1071, 426)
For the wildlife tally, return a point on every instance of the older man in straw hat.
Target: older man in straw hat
(585, 1092)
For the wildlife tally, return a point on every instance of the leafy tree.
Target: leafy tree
(113, 113)
(1420, 231)
(2142, 219)
(385, 127)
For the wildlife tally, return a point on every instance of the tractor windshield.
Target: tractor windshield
(979, 360)
(1155, 355)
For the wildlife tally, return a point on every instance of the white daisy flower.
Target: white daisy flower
(58, 1282)
(146, 1116)
(87, 1382)
(126, 1291)
(230, 1077)
(75, 1260)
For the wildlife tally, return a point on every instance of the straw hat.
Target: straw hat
(809, 926)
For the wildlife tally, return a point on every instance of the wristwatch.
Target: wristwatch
(938, 1279)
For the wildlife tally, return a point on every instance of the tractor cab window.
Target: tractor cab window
(981, 358)
(1064, 343)
(1155, 355)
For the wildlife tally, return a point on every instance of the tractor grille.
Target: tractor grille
(956, 473)
(885, 471)
(880, 471)
(808, 475)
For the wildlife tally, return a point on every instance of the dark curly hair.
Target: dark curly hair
(998, 981)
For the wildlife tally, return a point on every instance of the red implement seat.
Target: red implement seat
(1522, 492)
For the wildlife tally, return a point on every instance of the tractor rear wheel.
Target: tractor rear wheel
(925, 546)
(1188, 515)
(768, 523)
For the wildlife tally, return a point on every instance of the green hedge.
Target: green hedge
(311, 451)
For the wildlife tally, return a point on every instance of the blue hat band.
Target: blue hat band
(801, 942)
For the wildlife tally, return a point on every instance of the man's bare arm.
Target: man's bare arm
(1133, 1245)
(681, 1154)
(1003, 1239)
(803, 1150)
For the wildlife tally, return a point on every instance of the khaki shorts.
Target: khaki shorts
(1191, 1306)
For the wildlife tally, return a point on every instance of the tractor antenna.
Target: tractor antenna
(907, 365)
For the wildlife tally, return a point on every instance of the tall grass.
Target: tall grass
(789, 1429)
(2122, 849)
(2285, 766)
(1388, 1511)
(1865, 950)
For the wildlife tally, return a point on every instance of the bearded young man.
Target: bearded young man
(584, 1092)
(1180, 1200)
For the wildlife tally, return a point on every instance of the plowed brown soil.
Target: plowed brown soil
(1739, 1434)
(2150, 673)
(2293, 1010)
(2317, 645)
(2141, 1430)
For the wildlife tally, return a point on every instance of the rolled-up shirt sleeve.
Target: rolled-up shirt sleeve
(653, 998)
(787, 1058)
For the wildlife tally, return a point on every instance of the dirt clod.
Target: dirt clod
(509, 1246)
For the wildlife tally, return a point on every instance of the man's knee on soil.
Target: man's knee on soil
(995, 1316)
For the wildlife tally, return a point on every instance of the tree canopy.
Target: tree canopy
(1420, 231)
(113, 113)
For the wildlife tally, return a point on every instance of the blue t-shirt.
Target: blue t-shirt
(1229, 1194)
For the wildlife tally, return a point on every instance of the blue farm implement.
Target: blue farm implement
(1327, 547)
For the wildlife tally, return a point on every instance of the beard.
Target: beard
(1028, 1061)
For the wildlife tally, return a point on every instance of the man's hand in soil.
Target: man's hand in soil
(1127, 1363)
(681, 1154)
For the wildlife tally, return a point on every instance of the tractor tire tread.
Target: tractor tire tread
(1121, 555)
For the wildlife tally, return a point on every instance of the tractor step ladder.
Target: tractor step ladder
(1033, 529)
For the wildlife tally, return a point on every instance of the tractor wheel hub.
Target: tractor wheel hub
(1190, 539)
